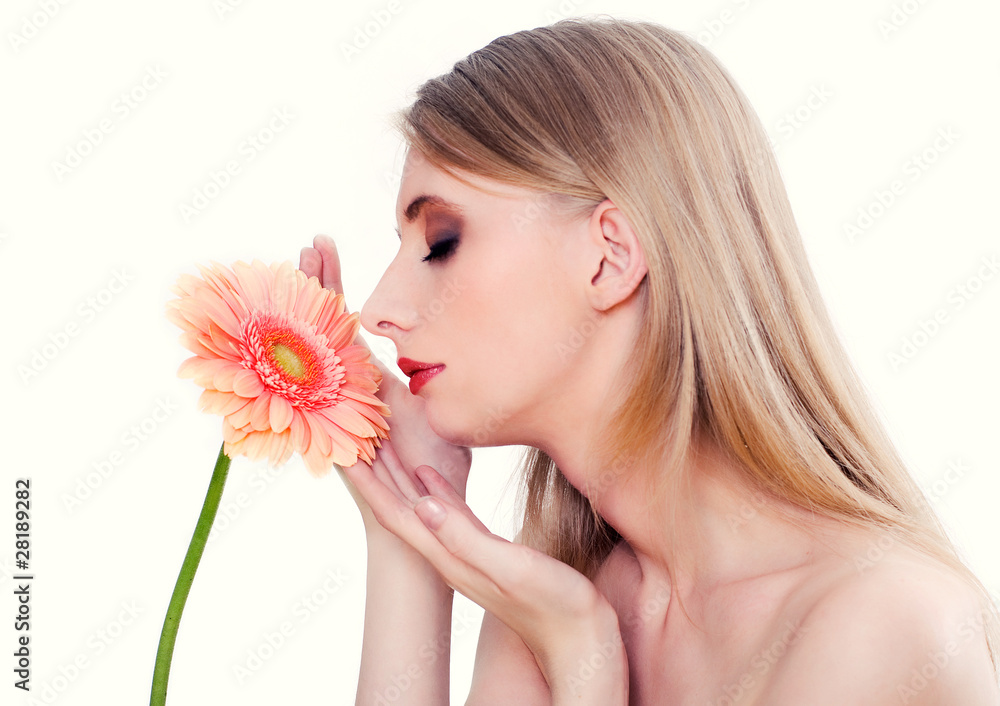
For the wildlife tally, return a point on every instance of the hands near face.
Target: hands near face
(415, 489)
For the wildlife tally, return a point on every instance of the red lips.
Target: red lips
(419, 373)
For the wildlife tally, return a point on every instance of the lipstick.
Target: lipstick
(419, 373)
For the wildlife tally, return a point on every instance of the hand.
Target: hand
(560, 615)
(411, 439)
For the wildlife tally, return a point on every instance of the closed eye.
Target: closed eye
(441, 249)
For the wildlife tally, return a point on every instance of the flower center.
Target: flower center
(292, 359)
(289, 353)
(287, 360)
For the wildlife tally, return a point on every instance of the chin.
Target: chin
(464, 429)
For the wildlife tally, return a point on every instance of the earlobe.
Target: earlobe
(623, 264)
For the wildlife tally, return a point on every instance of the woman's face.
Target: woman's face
(486, 284)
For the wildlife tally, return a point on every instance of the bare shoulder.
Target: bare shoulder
(902, 629)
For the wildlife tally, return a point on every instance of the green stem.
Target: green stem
(165, 651)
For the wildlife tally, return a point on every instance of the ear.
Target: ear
(622, 264)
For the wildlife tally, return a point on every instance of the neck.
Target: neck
(710, 529)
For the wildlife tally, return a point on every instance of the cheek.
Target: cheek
(510, 335)
(503, 333)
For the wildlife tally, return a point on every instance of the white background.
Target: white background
(100, 544)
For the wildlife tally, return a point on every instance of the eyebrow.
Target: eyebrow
(412, 212)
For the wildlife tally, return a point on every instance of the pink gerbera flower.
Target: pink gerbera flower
(275, 353)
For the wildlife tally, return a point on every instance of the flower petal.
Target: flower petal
(219, 311)
(320, 437)
(253, 282)
(345, 448)
(347, 419)
(280, 448)
(280, 413)
(256, 444)
(223, 342)
(285, 287)
(224, 403)
(247, 383)
(310, 301)
(260, 414)
(230, 433)
(316, 461)
(191, 341)
(333, 307)
(224, 376)
(370, 414)
(300, 431)
(199, 369)
(342, 331)
(240, 419)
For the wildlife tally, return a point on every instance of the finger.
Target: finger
(310, 262)
(331, 263)
(459, 561)
(395, 514)
(390, 478)
(470, 542)
(482, 566)
(493, 571)
(406, 483)
(438, 485)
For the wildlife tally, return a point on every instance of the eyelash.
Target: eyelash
(441, 249)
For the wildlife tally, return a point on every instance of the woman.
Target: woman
(598, 261)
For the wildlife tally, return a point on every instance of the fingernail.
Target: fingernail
(430, 512)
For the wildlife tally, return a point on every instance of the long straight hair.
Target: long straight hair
(736, 342)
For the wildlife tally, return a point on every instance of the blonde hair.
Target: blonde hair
(736, 342)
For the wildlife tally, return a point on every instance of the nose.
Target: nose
(387, 312)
